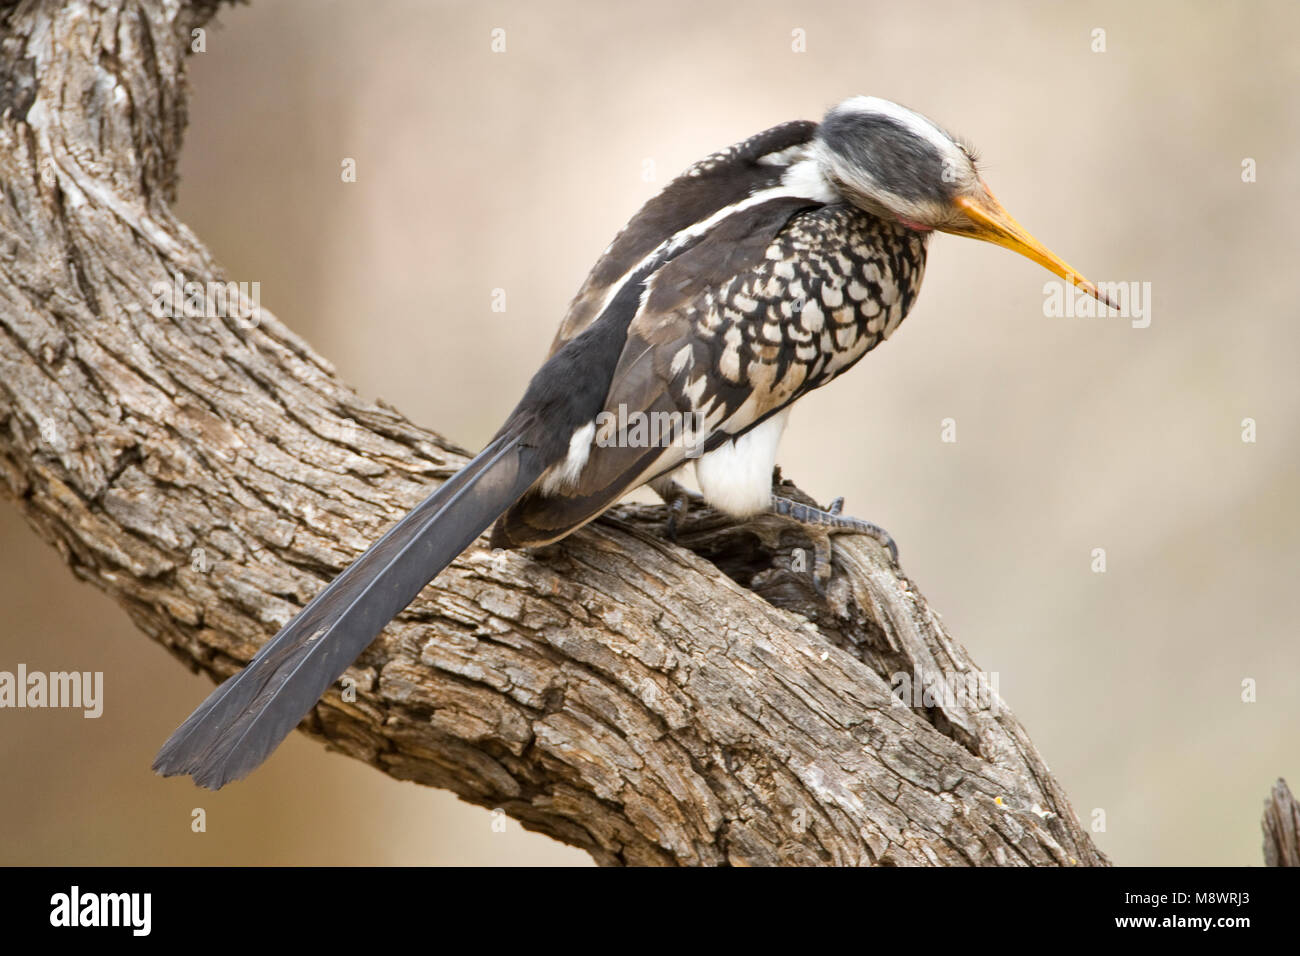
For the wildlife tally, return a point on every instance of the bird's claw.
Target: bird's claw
(833, 521)
(678, 501)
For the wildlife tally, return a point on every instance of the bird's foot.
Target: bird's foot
(832, 521)
(678, 498)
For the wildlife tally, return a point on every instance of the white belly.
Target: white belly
(736, 478)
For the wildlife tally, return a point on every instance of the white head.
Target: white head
(896, 164)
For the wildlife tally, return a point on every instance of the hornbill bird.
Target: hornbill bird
(759, 274)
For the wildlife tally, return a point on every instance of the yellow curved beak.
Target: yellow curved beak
(994, 224)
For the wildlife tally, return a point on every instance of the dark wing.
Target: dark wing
(712, 184)
(774, 302)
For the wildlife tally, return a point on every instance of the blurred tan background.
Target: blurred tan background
(479, 171)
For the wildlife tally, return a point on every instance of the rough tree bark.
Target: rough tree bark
(651, 703)
(1281, 826)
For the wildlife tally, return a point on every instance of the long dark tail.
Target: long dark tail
(247, 717)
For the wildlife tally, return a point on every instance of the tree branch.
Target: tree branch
(1281, 825)
(649, 702)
